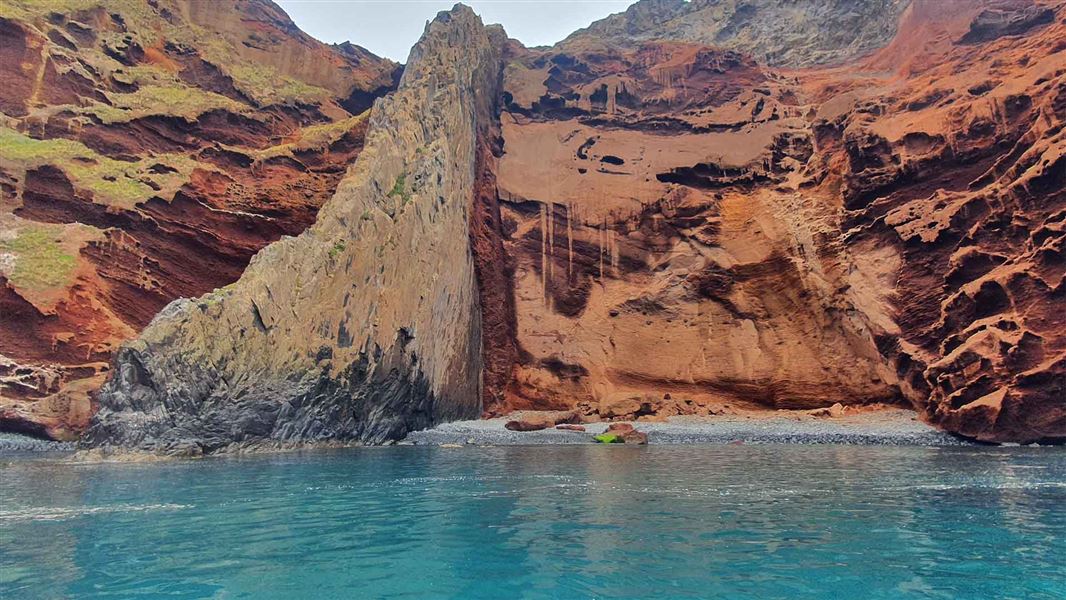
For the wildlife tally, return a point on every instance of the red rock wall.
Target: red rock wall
(690, 229)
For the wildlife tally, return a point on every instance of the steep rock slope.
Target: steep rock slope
(147, 151)
(365, 326)
(655, 226)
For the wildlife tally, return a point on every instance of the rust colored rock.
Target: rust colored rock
(628, 433)
(835, 411)
(535, 420)
(647, 220)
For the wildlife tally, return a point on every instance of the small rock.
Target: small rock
(835, 411)
(570, 427)
(526, 425)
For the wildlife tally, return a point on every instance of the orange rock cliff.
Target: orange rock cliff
(768, 204)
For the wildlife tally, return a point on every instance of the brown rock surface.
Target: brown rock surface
(684, 221)
(147, 151)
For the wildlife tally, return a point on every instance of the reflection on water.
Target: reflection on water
(543, 522)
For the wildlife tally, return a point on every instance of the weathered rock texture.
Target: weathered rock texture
(689, 228)
(778, 33)
(147, 151)
(671, 212)
(365, 326)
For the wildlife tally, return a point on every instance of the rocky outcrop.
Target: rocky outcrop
(959, 168)
(365, 326)
(688, 229)
(149, 149)
(780, 33)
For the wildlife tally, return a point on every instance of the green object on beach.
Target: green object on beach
(609, 438)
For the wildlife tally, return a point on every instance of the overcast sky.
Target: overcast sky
(390, 27)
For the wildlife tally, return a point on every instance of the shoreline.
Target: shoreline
(890, 427)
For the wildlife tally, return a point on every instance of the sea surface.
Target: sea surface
(837, 522)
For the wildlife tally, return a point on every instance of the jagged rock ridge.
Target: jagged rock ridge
(365, 326)
(781, 34)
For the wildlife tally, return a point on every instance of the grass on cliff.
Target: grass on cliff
(112, 182)
(399, 189)
(159, 93)
(313, 137)
(262, 82)
(40, 259)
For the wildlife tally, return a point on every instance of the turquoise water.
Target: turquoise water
(543, 522)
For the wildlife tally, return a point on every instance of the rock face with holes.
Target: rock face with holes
(365, 326)
(688, 228)
(147, 151)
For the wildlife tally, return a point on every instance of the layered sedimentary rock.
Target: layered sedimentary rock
(957, 164)
(688, 228)
(365, 326)
(147, 151)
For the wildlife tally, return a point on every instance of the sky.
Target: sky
(390, 27)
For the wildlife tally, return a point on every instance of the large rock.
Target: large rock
(362, 328)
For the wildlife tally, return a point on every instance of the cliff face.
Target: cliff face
(957, 164)
(147, 151)
(365, 326)
(689, 229)
(676, 211)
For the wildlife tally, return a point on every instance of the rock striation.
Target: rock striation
(362, 328)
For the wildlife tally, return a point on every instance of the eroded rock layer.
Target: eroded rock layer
(688, 228)
(147, 151)
(365, 326)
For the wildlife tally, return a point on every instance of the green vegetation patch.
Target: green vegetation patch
(159, 93)
(399, 188)
(41, 262)
(112, 182)
(261, 82)
(314, 137)
(609, 438)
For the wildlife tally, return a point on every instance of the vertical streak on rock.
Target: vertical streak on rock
(544, 254)
(551, 240)
(569, 243)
